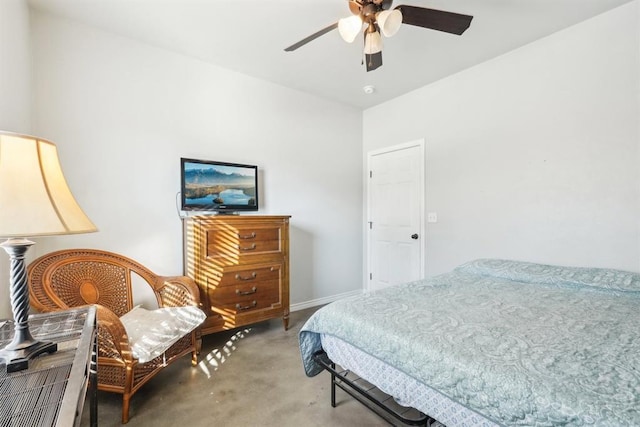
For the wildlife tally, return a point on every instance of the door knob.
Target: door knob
(414, 236)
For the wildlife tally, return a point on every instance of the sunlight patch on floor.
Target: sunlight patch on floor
(216, 357)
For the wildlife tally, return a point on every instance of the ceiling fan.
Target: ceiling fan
(376, 16)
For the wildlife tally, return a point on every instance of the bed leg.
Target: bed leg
(333, 386)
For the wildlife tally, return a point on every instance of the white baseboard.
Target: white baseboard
(322, 301)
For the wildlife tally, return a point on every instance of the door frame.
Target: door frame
(420, 143)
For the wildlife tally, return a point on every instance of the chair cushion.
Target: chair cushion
(152, 332)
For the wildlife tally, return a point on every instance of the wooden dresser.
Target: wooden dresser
(241, 265)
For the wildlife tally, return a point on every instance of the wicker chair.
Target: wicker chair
(71, 278)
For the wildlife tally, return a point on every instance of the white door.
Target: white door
(395, 215)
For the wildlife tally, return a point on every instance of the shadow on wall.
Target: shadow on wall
(301, 268)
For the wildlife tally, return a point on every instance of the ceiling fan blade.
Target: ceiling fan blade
(373, 61)
(448, 22)
(312, 37)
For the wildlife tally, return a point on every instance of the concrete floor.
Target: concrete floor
(247, 377)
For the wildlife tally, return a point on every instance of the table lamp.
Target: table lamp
(34, 201)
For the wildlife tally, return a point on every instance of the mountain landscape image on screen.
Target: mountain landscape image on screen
(218, 185)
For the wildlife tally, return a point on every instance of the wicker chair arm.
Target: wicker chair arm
(176, 291)
(113, 342)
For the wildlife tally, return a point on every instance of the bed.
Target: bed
(494, 343)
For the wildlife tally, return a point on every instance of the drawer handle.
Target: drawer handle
(252, 291)
(247, 248)
(247, 236)
(246, 307)
(253, 276)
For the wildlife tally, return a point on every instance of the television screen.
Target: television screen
(218, 186)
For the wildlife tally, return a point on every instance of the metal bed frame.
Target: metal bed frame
(369, 395)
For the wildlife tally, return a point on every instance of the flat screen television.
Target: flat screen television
(220, 187)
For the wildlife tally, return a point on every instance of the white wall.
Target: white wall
(15, 99)
(123, 113)
(533, 155)
(15, 96)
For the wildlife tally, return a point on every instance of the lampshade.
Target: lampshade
(34, 197)
(349, 28)
(372, 43)
(389, 21)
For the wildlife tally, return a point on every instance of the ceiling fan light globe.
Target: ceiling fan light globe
(372, 43)
(389, 21)
(349, 28)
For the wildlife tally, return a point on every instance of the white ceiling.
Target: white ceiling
(249, 36)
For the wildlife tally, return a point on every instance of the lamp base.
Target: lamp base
(23, 347)
(18, 359)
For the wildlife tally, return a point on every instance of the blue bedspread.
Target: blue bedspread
(520, 343)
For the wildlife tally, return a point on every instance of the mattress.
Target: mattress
(406, 391)
(521, 344)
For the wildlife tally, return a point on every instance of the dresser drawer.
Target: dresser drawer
(251, 275)
(245, 298)
(244, 234)
(238, 242)
(234, 250)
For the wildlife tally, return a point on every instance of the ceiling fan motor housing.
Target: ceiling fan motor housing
(383, 4)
